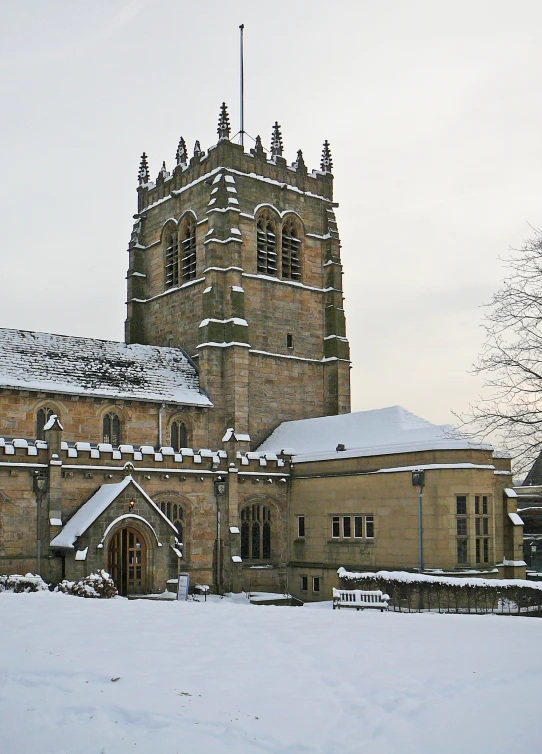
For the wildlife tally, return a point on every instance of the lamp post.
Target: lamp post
(40, 488)
(220, 490)
(418, 480)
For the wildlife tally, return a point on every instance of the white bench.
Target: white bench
(360, 599)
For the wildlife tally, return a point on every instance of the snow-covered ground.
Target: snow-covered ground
(113, 676)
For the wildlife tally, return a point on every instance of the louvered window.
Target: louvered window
(291, 245)
(188, 244)
(266, 247)
(172, 260)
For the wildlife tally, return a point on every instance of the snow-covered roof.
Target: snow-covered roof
(93, 509)
(364, 433)
(104, 368)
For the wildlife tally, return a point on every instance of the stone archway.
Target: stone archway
(127, 561)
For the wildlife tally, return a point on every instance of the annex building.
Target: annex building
(218, 439)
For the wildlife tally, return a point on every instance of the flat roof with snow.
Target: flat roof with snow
(364, 433)
(102, 368)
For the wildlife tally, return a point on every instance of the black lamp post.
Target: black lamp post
(220, 490)
(40, 488)
(418, 481)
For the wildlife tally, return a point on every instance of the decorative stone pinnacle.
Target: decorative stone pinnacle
(181, 156)
(276, 141)
(258, 150)
(326, 165)
(223, 123)
(197, 149)
(299, 163)
(143, 174)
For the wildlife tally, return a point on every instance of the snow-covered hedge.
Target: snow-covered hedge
(415, 591)
(99, 585)
(28, 583)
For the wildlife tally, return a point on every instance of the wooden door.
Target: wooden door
(128, 561)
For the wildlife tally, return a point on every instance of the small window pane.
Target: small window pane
(335, 527)
(461, 503)
(461, 527)
(484, 504)
(369, 527)
(304, 583)
(316, 583)
(358, 526)
(477, 504)
(478, 558)
(301, 526)
(485, 526)
(347, 526)
(486, 550)
(461, 551)
(478, 527)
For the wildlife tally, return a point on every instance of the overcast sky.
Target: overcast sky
(434, 115)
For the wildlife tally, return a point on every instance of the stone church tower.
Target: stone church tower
(235, 257)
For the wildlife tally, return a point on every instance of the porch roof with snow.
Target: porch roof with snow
(101, 368)
(90, 511)
(364, 433)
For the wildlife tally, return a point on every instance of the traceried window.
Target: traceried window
(172, 259)
(266, 246)
(291, 244)
(256, 532)
(175, 513)
(188, 246)
(42, 417)
(178, 435)
(111, 429)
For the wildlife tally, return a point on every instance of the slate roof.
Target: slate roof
(102, 368)
(364, 433)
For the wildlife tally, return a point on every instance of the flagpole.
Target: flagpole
(242, 93)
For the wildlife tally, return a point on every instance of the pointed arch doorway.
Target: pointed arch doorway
(127, 559)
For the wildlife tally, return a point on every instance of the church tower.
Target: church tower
(235, 257)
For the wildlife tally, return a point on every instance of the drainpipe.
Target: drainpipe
(160, 412)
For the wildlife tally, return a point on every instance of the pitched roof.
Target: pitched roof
(93, 509)
(103, 368)
(364, 433)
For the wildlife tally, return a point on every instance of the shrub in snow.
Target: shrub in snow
(28, 583)
(99, 585)
(413, 591)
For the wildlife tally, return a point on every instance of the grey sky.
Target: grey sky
(432, 110)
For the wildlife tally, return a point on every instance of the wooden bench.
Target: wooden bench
(360, 599)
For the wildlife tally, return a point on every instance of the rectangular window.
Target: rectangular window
(289, 340)
(461, 524)
(477, 505)
(478, 526)
(369, 527)
(461, 505)
(358, 526)
(478, 551)
(335, 527)
(462, 551)
(316, 583)
(485, 525)
(347, 526)
(304, 583)
(301, 526)
(486, 550)
(484, 504)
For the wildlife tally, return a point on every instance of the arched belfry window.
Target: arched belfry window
(256, 532)
(291, 246)
(111, 429)
(266, 242)
(178, 435)
(42, 417)
(172, 259)
(188, 245)
(175, 513)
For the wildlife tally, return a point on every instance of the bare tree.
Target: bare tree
(511, 360)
